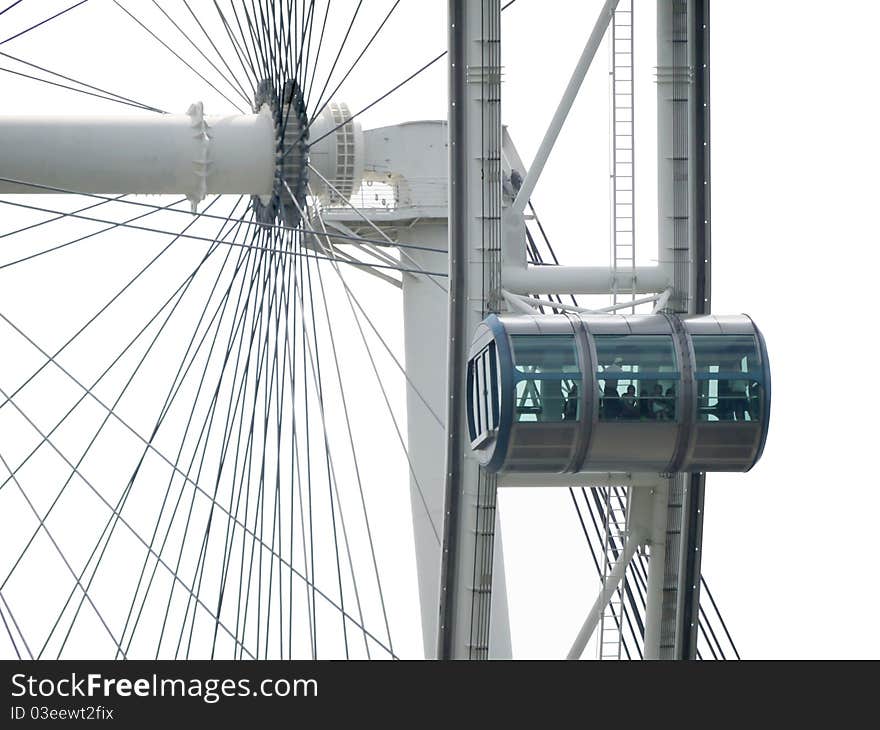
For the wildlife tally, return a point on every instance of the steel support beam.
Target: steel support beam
(684, 224)
(475, 142)
(688, 608)
(458, 251)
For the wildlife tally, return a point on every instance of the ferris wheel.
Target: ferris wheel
(266, 363)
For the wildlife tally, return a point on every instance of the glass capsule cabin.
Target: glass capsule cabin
(568, 393)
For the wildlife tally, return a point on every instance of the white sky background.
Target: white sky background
(789, 547)
(794, 193)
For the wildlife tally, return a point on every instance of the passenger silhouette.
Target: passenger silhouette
(739, 402)
(614, 369)
(724, 407)
(629, 405)
(658, 405)
(669, 403)
(611, 404)
(570, 410)
(611, 400)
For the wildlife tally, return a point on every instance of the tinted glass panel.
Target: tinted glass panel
(637, 377)
(729, 378)
(548, 376)
(484, 395)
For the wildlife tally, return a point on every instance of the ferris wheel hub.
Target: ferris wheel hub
(291, 179)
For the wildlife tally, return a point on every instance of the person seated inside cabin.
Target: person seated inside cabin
(669, 404)
(570, 409)
(659, 408)
(610, 401)
(739, 401)
(645, 401)
(629, 404)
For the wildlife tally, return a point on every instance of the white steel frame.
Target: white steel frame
(234, 155)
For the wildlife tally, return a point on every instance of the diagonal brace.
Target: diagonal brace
(632, 544)
(571, 92)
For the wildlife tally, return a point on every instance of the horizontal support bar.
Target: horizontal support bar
(583, 279)
(586, 479)
(529, 305)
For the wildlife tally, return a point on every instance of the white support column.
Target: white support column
(426, 341)
(180, 154)
(424, 303)
(656, 568)
(673, 91)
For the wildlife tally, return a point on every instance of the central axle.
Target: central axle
(265, 154)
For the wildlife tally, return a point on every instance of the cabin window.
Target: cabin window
(484, 394)
(729, 378)
(547, 376)
(637, 378)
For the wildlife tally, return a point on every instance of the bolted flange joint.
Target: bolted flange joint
(287, 202)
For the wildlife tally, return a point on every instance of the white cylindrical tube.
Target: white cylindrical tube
(582, 279)
(180, 154)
